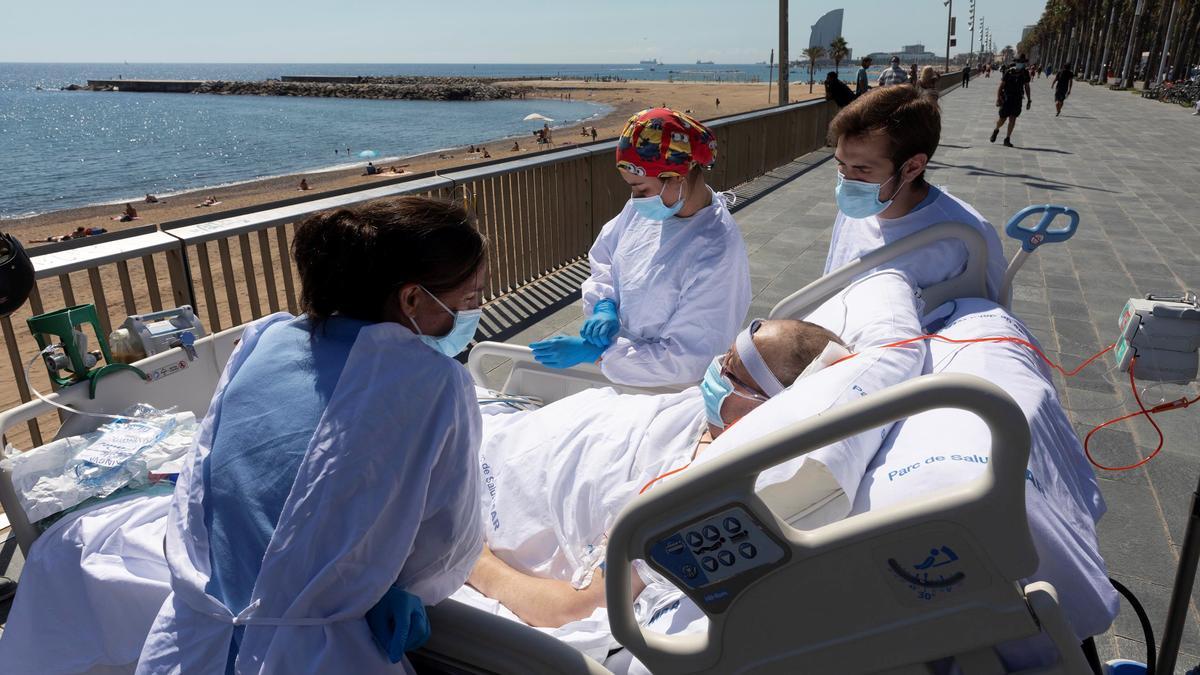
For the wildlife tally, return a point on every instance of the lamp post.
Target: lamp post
(949, 29)
(971, 56)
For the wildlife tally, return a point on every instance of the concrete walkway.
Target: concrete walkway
(1131, 168)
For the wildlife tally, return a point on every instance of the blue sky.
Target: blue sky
(481, 31)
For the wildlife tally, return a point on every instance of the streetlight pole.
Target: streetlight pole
(971, 56)
(949, 28)
(783, 52)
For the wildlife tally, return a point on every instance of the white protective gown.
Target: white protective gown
(855, 237)
(388, 492)
(682, 288)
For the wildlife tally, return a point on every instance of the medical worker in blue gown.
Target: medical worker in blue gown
(333, 488)
(670, 281)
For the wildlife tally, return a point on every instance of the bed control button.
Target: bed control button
(732, 525)
(710, 563)
(747, 550)
(726, 558)
(694, 539)
(675, 546)
(711, 533)
(690, 571)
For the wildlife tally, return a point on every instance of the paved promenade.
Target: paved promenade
(1131, 168)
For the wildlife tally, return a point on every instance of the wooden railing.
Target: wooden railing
(540, 212)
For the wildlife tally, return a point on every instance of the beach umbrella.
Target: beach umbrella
(368, 154)
(537, 116)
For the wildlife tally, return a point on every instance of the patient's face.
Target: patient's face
(746, 397)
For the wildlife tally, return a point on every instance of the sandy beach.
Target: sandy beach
(624, 98)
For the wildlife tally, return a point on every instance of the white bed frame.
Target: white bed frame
(470, 641)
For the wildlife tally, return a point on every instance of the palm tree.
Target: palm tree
(813, 53)
(838, 50)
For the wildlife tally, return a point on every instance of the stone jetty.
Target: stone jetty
(409, 88)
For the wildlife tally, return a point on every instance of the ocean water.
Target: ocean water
(67, 149)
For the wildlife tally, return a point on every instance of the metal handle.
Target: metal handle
(732, 477)
(501, 350)
(1032, 237)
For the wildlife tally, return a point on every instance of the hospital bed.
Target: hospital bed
(991, 609)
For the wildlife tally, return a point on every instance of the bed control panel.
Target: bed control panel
(715, 557)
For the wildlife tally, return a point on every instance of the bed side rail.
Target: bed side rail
(862, 594)
(971, 283)
(530, 378)
(467, 640)
(175, 382)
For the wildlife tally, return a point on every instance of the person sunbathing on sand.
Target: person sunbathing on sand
(208, 201)
(304, 185)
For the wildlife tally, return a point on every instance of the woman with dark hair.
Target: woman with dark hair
(333, 488)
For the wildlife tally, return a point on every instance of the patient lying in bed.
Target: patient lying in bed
(613, 454)
(555, 479)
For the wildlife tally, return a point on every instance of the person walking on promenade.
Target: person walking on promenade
(893, 75)
(1063, 82)
(862, 84)
(966, 76)
(1013, 85)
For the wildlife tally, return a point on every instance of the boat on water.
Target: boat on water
(703, 63)
(648, 62)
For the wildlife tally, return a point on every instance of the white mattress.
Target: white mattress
(1062, 497)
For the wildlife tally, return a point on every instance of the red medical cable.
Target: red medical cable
(1163, 407)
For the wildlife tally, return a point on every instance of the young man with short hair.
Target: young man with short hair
(1013, 85)
(862, 85)
(884, 141)
(1063, 82)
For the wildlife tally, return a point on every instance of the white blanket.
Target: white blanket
(1062, 498)
(90, 588)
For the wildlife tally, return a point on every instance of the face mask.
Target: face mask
(860, 199)
(715, 388)
(453, 343)
(653, 208)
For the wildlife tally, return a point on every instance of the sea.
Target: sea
(63, 149)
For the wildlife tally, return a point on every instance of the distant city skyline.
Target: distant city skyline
(517, 31)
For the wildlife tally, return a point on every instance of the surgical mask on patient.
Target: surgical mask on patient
(860, 199)
(715, 388)
(466, 321)
(653, 208)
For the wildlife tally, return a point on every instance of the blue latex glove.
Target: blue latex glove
(564, 352)
(398, 623)
(602, 326)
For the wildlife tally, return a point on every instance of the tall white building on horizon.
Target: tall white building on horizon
(826, 29)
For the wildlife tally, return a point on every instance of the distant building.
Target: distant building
(908, 54)
(913, 49)
(826, 29)
(1025, 32)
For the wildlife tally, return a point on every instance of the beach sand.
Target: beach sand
(625, 98)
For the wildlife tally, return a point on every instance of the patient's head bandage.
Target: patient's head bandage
(832, 353)
(754, 363)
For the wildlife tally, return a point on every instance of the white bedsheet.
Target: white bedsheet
(90, 588)
(1062, 498)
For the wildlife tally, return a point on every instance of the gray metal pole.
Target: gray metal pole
(1162, 63)
(971, 56)
(949, 23)
(1126, 70)
(783, 52)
